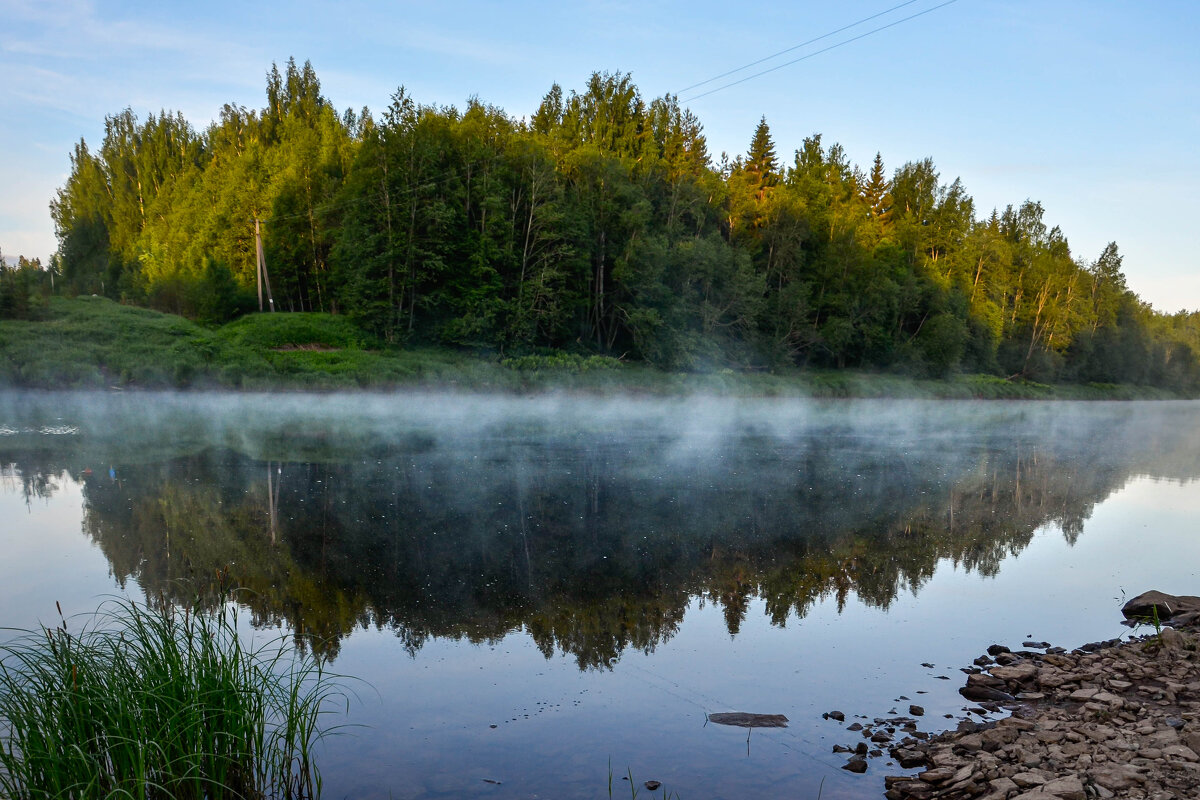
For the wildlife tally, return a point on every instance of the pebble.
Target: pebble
(1114, 719)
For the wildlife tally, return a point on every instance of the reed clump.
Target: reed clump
(154, 702)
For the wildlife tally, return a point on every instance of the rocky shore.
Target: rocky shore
(1119, 718)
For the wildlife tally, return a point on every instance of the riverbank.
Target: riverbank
(1119, 718)
(94, 343)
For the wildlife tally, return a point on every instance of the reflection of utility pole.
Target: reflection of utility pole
(262, 268)
(273, 497)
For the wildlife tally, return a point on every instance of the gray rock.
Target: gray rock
(1068, 788)
(937, 774)
(1167, 605)
(907, 759)
(742, 719)
(1181, 752)
(980, 693)
(1018, 673)
(1117, 777)
(856, 765)
(1028, 780)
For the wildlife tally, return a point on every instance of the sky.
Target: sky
(1091, 107)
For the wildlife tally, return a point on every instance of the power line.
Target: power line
(819, 52)
(795, 47)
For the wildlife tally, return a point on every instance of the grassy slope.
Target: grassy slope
(91, 342)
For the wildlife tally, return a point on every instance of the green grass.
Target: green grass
(92, 342)
(155, 704)
(266, 331)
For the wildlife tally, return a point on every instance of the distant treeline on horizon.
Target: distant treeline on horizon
(599, 224)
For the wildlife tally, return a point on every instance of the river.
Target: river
(533, 594)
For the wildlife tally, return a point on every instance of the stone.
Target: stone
(981, 693)
(907, 758)
(937, 774)
(742, 719)
(1017, 673)
(1028, 780)
(1167, 605)
(1180, 751)
(971, 742)
(652, 785)
(856, 765)
(1068, 788)
(1003, 785)
(1117, 777)
(916, 711)
(1171, 639)
(997, 649)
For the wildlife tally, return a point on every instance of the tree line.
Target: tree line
(599, 223)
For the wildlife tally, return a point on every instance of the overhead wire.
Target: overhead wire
(819, 52)
(450, 175)
(795, 47)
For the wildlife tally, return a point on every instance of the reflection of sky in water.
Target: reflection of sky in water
(648, 713)
(427, 717)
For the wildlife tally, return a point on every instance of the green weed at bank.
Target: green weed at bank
(151, 703)
(95, 343)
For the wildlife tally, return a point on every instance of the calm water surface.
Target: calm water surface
(533, 589)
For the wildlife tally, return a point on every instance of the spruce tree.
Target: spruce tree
(877, 192)
(761, 161)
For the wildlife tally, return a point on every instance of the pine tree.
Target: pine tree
(761, 161)
(877, 192)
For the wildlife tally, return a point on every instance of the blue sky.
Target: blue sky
(1092, 108)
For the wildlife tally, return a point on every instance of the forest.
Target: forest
(598, 224)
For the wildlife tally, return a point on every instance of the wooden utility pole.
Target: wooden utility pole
(262, 269)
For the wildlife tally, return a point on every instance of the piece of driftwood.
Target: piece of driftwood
(743, 720)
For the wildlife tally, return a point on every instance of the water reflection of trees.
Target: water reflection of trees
(595, 545)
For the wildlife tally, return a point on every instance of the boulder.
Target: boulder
(1168, 605)
(742, 719)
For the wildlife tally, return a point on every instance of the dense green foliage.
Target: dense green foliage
(154, 703)
(24, 288)
(599, 225)
(93, 342)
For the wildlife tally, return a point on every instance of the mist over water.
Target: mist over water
(592, 575)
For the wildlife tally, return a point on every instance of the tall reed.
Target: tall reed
(148, 702)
